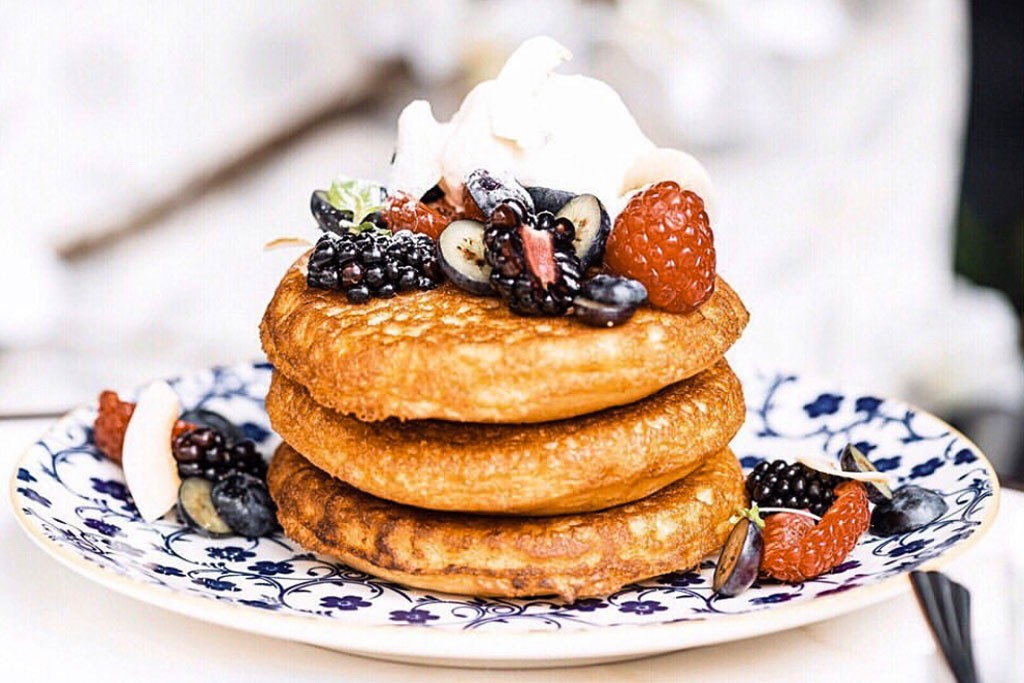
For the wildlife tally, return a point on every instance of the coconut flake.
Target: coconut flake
(149, 467)
(828, 467)
(286, 243)
(795, 511)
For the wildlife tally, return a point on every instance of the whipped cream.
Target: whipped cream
(546, 129)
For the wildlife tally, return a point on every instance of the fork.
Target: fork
(947, 606)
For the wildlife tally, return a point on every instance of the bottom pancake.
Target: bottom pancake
(571, 556)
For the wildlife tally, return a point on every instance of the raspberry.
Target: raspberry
(663, 239)
(112, 421)
(405, 212)
(796, 549)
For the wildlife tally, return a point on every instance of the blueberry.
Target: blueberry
(243, 502)
(607, 300)
(202, 417)
(547, 199)
(911, 507)
(739, 560)
(489, 190)
(195, 505)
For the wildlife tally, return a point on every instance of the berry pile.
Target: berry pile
(534, 267)
(373, 264)
(203, 452)
(780, 484)
(663, 239)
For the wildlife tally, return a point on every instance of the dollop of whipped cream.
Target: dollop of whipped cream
(545, 129)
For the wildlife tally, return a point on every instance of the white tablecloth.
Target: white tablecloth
(57, 626)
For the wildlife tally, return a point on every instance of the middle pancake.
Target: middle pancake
(578, 465)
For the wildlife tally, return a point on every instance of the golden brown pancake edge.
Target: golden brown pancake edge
(444, 354)
(587, 463)
(570, 555)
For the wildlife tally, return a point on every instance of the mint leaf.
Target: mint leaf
(358, 196)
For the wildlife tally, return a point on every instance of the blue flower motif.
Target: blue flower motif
(925, 468)
(887, 464)
(909, 548)
(165, 570)
(749, 462)
(838, 589)
(25, 475)
(413, 616)
(230, 553)
(680, 579)
(642, 607)
(867, 404)
(773, 598)
(865, 447)
(259, 603)
(346, 603)
(845, 566)
(217, 585)
(587, 605)
(263, 366)
(825, 404)
(33, 496)
(964, 457)
(102, 527)
(269, 568)
(255, 432)
(114, 489)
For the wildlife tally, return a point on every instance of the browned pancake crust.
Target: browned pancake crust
(447, 355)
(571, 555)
(578, 465)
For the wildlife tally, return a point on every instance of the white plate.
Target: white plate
(72, 502)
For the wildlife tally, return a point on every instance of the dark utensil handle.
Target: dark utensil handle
(947, 607)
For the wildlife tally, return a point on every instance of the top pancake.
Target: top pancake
(444, 354)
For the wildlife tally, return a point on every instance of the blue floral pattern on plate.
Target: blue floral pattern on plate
(76, 498)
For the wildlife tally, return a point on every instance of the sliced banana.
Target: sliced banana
(664, 163)
(149, 467)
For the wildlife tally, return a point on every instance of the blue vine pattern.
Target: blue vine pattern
(78, 500)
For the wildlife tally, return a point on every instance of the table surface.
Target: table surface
(104, 636)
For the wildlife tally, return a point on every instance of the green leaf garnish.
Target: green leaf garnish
(358, 196)
(753, 513)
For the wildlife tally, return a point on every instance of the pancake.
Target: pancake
(444, 354)
(570, 555)
(579, 465)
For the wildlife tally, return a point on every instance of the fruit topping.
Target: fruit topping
(534, 264)
(373, 264)
(796, 549)
(112, 420)
(490, 190)
(243, 501)
(663, 239)
(548, 199)
(608, 300)
(150, 470)
(461, 251)
(852, 460)
(740, 559)
(404, 212)
(910, 508)
(203, 452)
(780, 484)
(195, 505)
(593, 226)
(201, 417)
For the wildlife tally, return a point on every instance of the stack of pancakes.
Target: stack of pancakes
(438, 440)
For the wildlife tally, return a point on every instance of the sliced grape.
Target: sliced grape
(195, 504)
(852, 460)
(740, 559)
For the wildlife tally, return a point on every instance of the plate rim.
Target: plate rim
(480, 647)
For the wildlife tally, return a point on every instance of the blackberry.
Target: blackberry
(791, 485)
(373, 263)
(204, 453)
(534, 265)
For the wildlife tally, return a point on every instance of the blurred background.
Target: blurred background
(868, 156)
